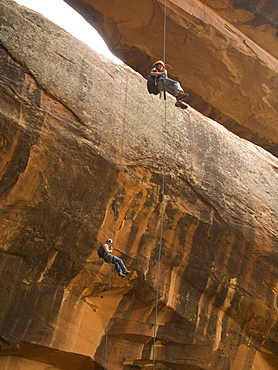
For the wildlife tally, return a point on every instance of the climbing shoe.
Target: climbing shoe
(181, 95)
(121, 274)
(126, 272)
(181, 104)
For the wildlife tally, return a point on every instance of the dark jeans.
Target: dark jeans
(119, 265)
(171, 86)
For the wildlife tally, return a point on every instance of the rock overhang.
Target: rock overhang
(223, 53)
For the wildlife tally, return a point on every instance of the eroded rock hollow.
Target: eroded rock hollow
(78, 167)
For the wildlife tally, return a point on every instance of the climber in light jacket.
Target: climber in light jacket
(158, 81)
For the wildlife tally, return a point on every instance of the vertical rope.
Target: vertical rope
(164, 32)
(120, 160)
(124, 120)
(162, 200)
(107, 317)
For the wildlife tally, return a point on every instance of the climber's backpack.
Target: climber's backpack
(151, 85)
(100, 251)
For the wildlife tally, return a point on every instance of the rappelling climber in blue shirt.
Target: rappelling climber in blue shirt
(158, 82)
(110, 258)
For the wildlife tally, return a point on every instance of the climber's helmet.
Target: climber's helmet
(159, 62)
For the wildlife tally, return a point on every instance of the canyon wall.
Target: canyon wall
(82, 159)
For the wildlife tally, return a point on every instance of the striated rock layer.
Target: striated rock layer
(77, 168)
(224, 52)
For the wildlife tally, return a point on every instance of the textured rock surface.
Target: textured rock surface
(75, 169)
(224, 52)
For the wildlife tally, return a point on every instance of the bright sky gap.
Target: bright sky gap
(67, 18)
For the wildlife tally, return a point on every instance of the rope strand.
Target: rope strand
(161, 231)
(164, 32)
(107, 318)
(120, 160)
(162, 200)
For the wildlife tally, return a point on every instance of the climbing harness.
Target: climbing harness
(162, 199)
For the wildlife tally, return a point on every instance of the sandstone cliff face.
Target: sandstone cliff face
(224, 52)
(77, 168)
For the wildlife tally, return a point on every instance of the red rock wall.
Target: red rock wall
(77, 168)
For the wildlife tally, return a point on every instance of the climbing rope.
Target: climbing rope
(107, 317)
(120, 164)
(164, 32)
(162, 198)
